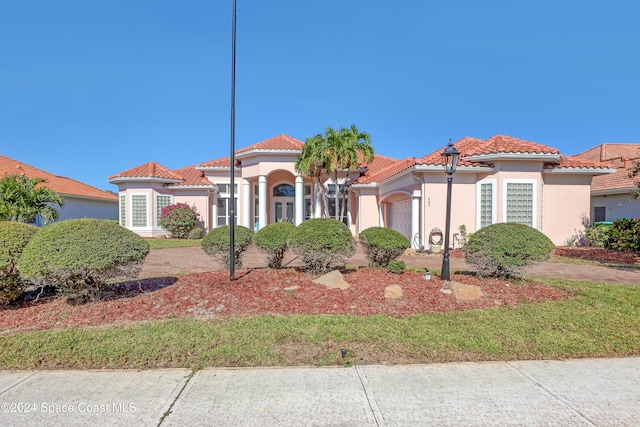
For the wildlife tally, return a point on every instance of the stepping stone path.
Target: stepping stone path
(332, 280)
(393, 292)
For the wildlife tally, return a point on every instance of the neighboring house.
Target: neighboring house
(611, 195)
(80, 200)
(500, 179)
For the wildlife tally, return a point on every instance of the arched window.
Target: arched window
(285, 190)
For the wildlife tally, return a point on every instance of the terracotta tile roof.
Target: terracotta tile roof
(386, 168)
(148, 170)
(217, 163)
(192, 176)
(609, 151)
(464, 146)
(280, 142)
(619, 180)
(619, 156)
(576, 162)
(502, 144)
(59, 184)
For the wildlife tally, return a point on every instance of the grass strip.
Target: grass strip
(172, 243)
(599, 321)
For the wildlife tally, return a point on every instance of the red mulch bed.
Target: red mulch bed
(597, 254)
(263, 292)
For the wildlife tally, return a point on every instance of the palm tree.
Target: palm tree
(335, 151)
(22, 199)
(313, 162)
(349, 147)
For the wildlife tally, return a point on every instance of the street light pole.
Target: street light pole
(450, 157)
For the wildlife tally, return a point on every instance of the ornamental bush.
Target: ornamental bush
(599, 236)
(503, 249)
(217, 243)
(625, 235)
(396, 267)
(322, 242)
(179, 219)
(382, 245)
(78, 256)
(14, 237)
(196, 234)
(273, 240)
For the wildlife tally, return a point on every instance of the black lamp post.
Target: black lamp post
(450, 157)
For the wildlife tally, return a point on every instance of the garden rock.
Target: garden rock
(332, 280)
(464, 292)
(393, 292)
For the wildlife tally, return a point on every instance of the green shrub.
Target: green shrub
(273, 239)
(396, 267)
(625, 235)
(14, 237)
(501, 250)
(382, 245)
(599, 236)
(179, 219)
(196, 234)
(217, 243)
(321, 242)
(79, 255)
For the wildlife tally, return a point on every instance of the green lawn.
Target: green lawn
(172, 243)
(600, 320)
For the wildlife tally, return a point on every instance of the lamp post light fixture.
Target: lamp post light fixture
(450, 157)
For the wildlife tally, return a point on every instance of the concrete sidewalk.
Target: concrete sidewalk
(581, 392)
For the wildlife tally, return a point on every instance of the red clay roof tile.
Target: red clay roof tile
(59, 184)
(148, 170)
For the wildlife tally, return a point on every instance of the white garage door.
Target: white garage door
(401, 218)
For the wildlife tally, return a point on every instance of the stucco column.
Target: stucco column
(381, 217)
(246, 204)
(262, 201)
(415, 217)
(299, 200)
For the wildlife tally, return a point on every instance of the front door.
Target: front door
(283, 209)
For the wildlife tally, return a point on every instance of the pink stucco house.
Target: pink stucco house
(499, 179)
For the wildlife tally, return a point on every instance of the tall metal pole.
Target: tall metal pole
(446, 275)
(232, 201)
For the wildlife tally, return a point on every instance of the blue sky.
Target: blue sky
(92, 88)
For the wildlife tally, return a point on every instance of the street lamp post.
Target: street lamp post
(450, 157)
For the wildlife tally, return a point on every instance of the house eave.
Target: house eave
(99, 199)
(263, 152)
(217, 168)
(192, 187)
(118, 180)
(583, 171)
(614, 191)
(463, 169)
(512, 156)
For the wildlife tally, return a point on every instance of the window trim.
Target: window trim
(534, 195)
(494, 201)
(157, 211)
(122, 219)
(130, 210)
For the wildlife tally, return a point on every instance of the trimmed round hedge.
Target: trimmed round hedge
(217, 243)
(382, 245)
(273, 239)
(14, 237)
(322, 242)
(79, 255)
(501, 250)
